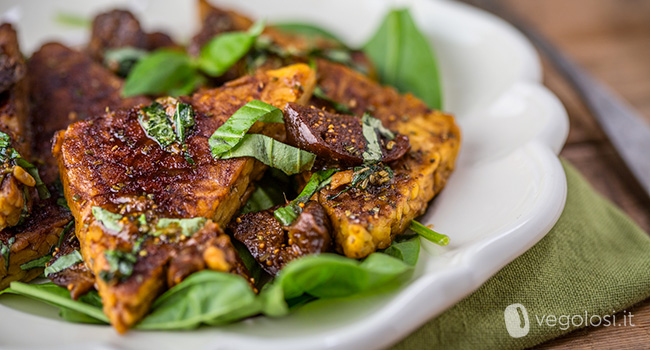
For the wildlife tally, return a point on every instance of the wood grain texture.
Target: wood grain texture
(611, 39)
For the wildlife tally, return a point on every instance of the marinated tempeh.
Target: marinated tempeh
(110, 163)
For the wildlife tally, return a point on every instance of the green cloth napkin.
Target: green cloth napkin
(595, 260)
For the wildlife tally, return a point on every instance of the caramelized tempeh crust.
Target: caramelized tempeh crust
(110, 162)
(366, 220)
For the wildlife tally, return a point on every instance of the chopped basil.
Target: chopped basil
(188, 226)
(404, 59)
(377, 125)
(123, 59)
(429, 234)
(233, 130)
(120, 265)
(372, 154)
(64, 262)
(8, 153)
(218, 55)
(183, 121)
(5, 251)
(157, 125)
(38, 262)
(109, 220)
(289, 159)
(286, 215)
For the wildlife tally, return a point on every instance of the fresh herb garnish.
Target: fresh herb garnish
(429, 234)
(108, 219)
(307, 30)
(187, 227)
(165, 131)
(233, 130)
(287, 214)
(38, 262)
(72, 20)
(231, 141)
(120, 265)
(8, 153)
(404, 58)
(123, 59)
(64, 262)
(176, 73)
(372, 154)
(5, 251)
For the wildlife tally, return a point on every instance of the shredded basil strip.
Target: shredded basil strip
(110, 220)
(64, 262)
(38, 262)
(339, 107)
(120, 264)
(286, 215)
(372, 154)
(183, 120)
(188, 226)
(5, 250)
(156, 124)
(233, 130)
(289, 159)
(404, 58)
(361, 177)
(218, 55)
(429, 234)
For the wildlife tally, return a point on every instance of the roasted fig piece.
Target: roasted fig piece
(273, 245)
(338, 138)
(119, 28)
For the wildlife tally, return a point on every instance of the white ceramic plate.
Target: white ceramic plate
(507, 192)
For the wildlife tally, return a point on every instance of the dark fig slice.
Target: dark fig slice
(338, 139)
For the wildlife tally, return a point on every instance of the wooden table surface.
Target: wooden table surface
(611, 39)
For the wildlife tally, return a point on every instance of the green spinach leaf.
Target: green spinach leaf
(404, 58)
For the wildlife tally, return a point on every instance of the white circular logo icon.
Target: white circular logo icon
(517, 324)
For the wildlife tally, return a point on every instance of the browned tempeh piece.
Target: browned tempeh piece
(66, 86)
(109, 162)
(368, 219)
(32, 240)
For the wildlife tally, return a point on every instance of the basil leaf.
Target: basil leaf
(429, 234)
(72, 20)
(188, 226)
(372, 154)
(57, 296)
(123, 59)
(164, 71)
(183, 120)
(339, 107)
(64, 262)
(109, 220)
(330, 276)
(222, 52)
(289, 159)
(259, 200)
(317, 181)
(405, 248)
(233, 130)
(404, 58)
(156, 124)
(120, 264)
(5, 251)
(205, 297)
(38, 262)
(307, 30)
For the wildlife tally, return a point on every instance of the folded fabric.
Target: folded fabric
(594, 263)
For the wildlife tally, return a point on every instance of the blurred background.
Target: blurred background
(611, 40)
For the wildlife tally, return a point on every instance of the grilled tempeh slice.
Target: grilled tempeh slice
(66, 86)
(109, 162)
(31, 240)
(368, 219)
(15, 195)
